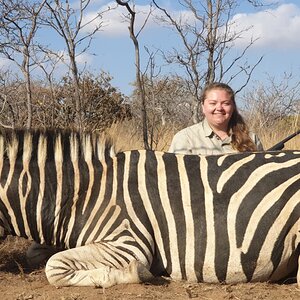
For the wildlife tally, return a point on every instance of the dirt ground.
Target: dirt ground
(19, 282)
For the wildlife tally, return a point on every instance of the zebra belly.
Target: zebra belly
(269, 264)
(235, 274)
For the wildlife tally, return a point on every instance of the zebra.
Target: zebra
(131, 216)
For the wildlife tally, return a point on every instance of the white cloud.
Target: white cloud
(275, 28)
(114, 22)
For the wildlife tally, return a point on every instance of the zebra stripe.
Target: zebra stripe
(229, 218)
(42, 156)
(209, 259)
(12, 150)
(58, 158)
(189, 258)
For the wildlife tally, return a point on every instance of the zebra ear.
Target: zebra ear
(109, 146)
(104, 147)
(112, 151)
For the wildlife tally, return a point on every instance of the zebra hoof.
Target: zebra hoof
(144, 274)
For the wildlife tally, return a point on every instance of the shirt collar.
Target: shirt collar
(207, 129)
(209, 132)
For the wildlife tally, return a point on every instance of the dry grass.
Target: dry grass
(269, 139)
(127, 136)
(12, 245)
(280, 130)
(12, 255)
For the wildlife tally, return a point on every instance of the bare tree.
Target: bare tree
(13, 108)
(258, 3)
(207, 38)
(139, 76)
(48, 65)
(7, 93)
(166, 109)
(69, 23)
(271, 103)
(18, 26)
(272, 109)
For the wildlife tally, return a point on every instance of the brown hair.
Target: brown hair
(241, 140)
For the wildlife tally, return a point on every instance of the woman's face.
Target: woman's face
(218, 108)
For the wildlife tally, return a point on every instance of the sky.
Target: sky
(276, 27)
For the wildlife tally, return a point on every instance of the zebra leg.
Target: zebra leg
(94, 265)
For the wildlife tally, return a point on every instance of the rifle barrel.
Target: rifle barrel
(280, 145)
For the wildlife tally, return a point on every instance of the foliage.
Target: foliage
(102, 104)
(161, 104)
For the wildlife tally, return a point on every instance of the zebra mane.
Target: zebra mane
(54, 144)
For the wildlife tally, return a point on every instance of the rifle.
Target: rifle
(280, 145)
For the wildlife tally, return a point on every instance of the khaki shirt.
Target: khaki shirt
(200, 139)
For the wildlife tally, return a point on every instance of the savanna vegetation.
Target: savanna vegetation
(33, 96)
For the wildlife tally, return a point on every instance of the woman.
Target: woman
(223, 129)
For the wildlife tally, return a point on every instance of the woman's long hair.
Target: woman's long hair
(239, 130)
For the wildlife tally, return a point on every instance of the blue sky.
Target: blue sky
(277, 27)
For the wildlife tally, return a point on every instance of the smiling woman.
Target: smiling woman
(223, 129)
